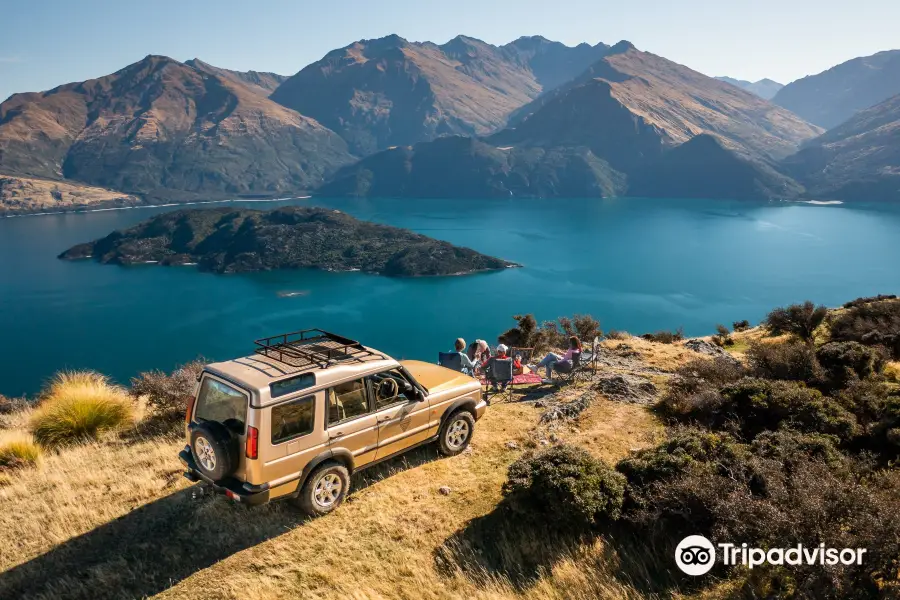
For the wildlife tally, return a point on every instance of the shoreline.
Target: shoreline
(139, 206)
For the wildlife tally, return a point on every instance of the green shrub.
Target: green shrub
(790, 361)
(565, 487)
(18, 453)
(741, 325)
(167, 395)
(683, 449)
(758, 405)
(77, 407)
(723, 336)
(845, 362)
(800, 320)
(869, 300)
(873, 324)
(550, 334)
(695, 385)
(665, 337)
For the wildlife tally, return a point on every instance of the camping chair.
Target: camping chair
(451, 360)
(499, 371)
(576, 370)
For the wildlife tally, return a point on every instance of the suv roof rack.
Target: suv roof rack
(312, 347)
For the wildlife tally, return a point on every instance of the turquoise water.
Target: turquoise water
(635, 264)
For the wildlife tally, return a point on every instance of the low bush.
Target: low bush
(564, 487)
(723, 336)
(741, 325)
(11, 405)
(615, 334)
(665, 337)
(790, 361)
(845, 362)
(684, 448)
(167, 395)
(874, 324)
(18, 453)
(869, 300)
(800, 320)
(694, 387)
(78, 406)
(550, 334)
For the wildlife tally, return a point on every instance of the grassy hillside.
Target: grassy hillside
(113, 517)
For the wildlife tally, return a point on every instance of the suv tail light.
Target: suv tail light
(189, 411)
(252, 442)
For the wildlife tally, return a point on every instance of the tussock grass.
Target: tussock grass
(77, 406)
(18, 451)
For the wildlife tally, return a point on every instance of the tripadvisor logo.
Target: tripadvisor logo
(696, 555)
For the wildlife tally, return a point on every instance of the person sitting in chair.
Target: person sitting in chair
(468, 365)
(485, 366)
(550, 361)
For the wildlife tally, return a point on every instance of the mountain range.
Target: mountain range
(764, 88)
(834, 96)
(466, 118)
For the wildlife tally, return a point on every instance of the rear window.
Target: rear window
(293, 419)
(218, 401)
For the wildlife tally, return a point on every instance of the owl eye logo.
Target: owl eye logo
(695, 555)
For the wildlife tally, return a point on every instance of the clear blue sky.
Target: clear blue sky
(45, 43)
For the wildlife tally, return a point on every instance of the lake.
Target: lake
(636, 264)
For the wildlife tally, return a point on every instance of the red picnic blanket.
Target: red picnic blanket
(520, 379)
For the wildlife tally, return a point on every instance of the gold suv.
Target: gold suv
(307, 409)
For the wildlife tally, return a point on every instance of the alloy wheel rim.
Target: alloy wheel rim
(205, 453)
(457, 434)
(328, 490)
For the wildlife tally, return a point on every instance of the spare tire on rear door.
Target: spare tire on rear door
(215, 449)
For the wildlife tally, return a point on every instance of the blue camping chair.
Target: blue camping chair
(451, 360)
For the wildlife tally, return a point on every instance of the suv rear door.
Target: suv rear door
(402, 417)
(350, 422)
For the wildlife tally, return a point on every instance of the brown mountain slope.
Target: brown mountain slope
(858, 160)
(260, 82)
(833, 96)
(163, 128)
(389, 92)
(639, 92)
(29, 195)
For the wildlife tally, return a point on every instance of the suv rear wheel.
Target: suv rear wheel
(456, 433)
(325, 489)
(214, 448)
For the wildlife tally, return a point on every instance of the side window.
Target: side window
(391, 387)
(293, 419)
(347, 400)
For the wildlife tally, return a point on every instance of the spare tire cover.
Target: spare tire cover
(215, 449)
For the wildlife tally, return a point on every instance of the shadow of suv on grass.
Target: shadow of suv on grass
(161, 543)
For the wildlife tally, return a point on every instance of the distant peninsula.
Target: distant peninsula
(225, 240)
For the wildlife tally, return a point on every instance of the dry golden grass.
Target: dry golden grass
(892, 371)
(110, 519)
(666, 357)
(18, 451)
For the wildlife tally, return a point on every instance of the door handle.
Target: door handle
(384, 418)
(336, 435)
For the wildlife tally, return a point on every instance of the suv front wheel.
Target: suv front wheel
(325, 489)
(456, 433)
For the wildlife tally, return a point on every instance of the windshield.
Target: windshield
(218, 401)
